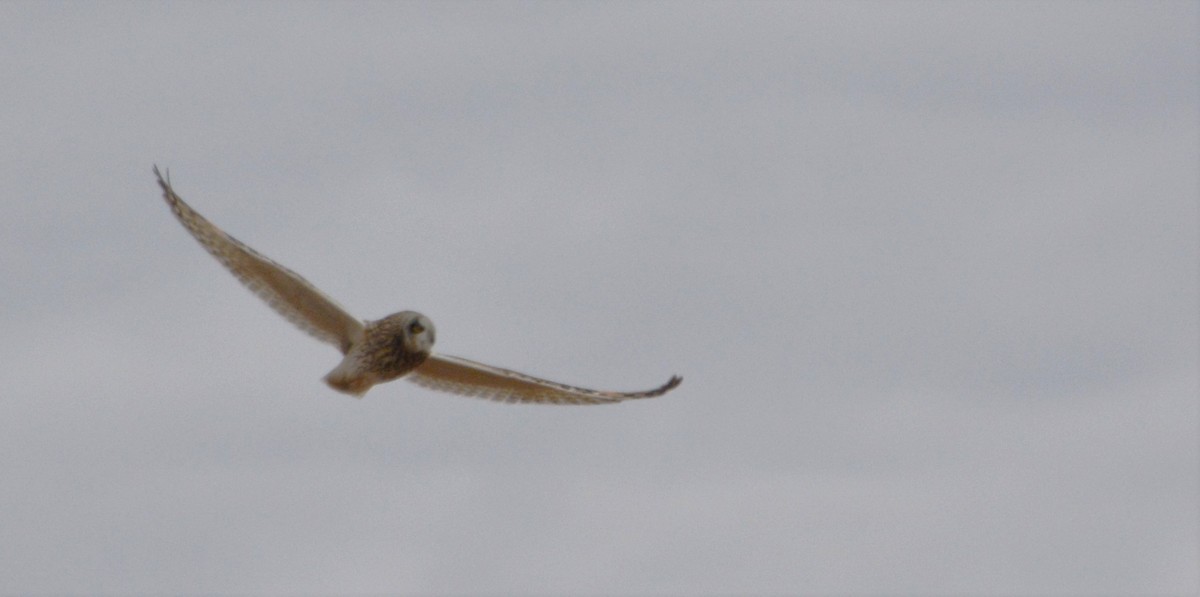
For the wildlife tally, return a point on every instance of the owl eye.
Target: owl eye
(415, 328)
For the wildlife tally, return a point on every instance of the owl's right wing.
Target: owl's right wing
(284, 290)
(469, 378)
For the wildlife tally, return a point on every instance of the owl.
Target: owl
(374, 352)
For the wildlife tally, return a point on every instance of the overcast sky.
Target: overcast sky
(928, 270)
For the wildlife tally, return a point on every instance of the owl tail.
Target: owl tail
(348, 379)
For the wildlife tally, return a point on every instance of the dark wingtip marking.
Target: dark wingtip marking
(670, 385)
(165, 183)
(660, 390)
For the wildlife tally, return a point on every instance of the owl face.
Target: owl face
(415, 331)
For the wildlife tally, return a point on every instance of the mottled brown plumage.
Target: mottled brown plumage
(399, 345)
(391, 348)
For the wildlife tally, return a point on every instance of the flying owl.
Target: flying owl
(399, 345)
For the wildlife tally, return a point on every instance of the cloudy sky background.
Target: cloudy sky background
(929, 272)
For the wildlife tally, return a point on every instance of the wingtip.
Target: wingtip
(667, 387)
(164, 181)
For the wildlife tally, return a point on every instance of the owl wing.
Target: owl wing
(284, 290)
(469, 378)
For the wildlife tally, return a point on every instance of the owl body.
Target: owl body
(374, 352)
(389, 348)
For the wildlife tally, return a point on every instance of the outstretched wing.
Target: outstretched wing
(469, 378)
(285, 291)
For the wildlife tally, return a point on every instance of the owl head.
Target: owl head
(415, 331)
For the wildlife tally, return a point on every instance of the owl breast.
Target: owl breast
(394, 362)
(390, 348)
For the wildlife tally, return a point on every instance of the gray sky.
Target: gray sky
(929, 272)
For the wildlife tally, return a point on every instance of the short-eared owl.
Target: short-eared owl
(399, 345)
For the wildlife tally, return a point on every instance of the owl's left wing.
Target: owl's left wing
(287, 292)
(469, 378)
